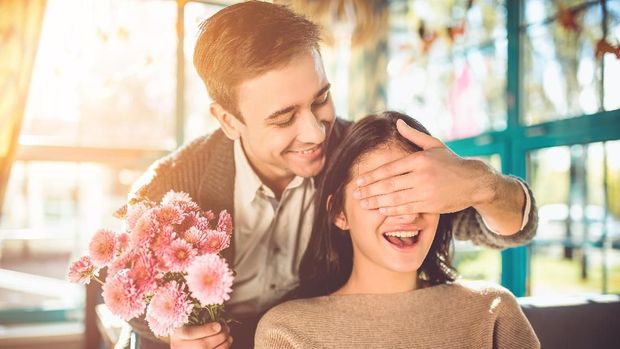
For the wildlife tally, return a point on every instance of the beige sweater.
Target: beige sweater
(460, 315)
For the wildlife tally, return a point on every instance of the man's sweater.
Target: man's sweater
(460, 315)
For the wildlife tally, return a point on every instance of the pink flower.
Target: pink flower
(134, 213)
(82, 270)
(162, 240)
(170, 307)
(179, 255)
(143, 271)
(122, 242)
(167, 215)
(122, 297)
(216, 241)
(195, 237)
(209, 279)
(144, 230)
(102, 246)
(180, 200)
(224, 223)
(123, 261)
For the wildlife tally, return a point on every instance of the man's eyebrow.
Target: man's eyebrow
(293, 107)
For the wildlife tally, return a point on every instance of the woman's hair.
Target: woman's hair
(328, 260)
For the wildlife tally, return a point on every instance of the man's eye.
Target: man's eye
(285, 123)
(321, 100)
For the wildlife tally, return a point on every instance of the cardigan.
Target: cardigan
(459, 315)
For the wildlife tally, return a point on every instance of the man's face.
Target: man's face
(288, 114)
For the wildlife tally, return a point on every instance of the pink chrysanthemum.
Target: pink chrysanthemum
(216, 241)
(123, 261)
(102, 246)
(195, 237)
(82, 270)
(134, 212)
(170, 308)
(209, 279)
(145, 229)
(179, 255)
(209, 215)
(167, 215)
(122, 297)
(122, 242)
(143, 271)
(224, 223)
(181, 200)
(162, 240)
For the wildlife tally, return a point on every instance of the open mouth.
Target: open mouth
(402, 239)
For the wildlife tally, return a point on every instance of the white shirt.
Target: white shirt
(270, 237)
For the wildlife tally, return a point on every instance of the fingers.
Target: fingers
(196, 332)
(403, 210)
(397, 198)
(391, 169)
(212, 335)
(418, 138)
(384, 186)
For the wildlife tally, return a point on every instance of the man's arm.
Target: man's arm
(491, 207)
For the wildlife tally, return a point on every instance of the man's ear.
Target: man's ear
(230, 124)
(340, 220)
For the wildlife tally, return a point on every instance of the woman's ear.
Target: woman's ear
(230, 124)
(340, 220)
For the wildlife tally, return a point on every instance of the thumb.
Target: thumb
(418, 138)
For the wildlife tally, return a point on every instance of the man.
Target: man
(261, 65)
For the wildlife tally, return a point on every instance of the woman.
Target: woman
(370, 281)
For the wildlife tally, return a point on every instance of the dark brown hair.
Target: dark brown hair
(328, 260)
(245, 40)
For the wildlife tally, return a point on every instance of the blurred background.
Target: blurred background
(93, 91)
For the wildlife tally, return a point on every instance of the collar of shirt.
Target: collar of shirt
(252, 185)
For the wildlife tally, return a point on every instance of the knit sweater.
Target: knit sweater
(460, 315)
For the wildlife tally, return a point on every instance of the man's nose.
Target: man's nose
(311, 129)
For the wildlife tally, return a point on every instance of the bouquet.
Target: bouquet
(165, 265)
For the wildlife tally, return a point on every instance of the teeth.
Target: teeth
(403, 234)
(306, 151)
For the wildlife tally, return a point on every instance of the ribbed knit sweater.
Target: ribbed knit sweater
(460, 315)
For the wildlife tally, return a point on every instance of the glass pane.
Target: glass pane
(447, 65)
(104, 75)
(577, 247)
(198, 120)
(561, 71)
(51, 210)
(476, 262)
(612, 63)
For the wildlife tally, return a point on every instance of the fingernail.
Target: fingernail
(357, 194)
(217, 327)
(364, 203)
(359, 182)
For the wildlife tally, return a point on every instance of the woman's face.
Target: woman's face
(396, 244)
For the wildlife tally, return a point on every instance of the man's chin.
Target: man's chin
(309, 169)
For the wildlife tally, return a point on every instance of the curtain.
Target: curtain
(20, 28)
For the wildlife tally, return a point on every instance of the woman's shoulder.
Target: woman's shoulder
(481, 292)
(298, 310)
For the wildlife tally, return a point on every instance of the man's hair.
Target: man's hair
(245, 40)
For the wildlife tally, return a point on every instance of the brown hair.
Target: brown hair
(245, 40)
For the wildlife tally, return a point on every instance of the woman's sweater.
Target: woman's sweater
(460, 315)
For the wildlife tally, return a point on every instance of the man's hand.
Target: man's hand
(435, 180)
(207, 336)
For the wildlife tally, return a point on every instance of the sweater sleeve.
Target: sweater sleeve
(271, 335)
(512, 329)
(469, 225)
